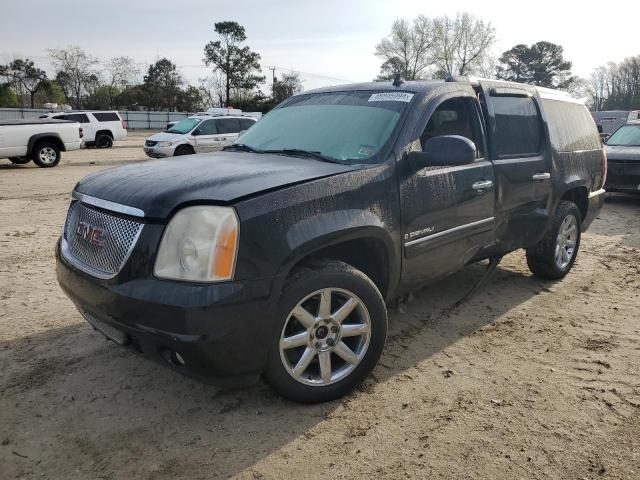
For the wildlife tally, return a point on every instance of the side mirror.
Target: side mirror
(600, 130)
(240, 133)
(196, 132)
(445, 151)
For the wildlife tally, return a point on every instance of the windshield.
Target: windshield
(344, 126)
(625, 136)
(184, 126)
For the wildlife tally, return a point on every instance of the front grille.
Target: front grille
(96, 241)
(150, 143)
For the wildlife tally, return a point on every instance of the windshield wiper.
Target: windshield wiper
(304, 153)
(243, 147)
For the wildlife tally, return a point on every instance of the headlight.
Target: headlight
(199, 244)
(164, 144)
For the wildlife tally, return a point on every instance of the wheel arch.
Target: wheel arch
(52, 137)
(578, 194)
(104, 132)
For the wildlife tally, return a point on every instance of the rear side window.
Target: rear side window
(571, 126)
(518, 131)
(228, 125)
(107, 116)
(245, 123)
(77, 117)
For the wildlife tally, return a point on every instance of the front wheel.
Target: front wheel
(556, 253)
(330, 334)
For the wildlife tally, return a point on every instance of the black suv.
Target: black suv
(277, 256)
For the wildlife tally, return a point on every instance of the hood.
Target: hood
(622, 153)
(159, 186)
(166, 137)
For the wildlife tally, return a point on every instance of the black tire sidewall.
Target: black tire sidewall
(309, 280)
(182, 150)
(104, 141)
(35, 156)
(541, 259)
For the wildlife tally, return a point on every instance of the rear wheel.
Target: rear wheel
(183, 150)
(46, 154)
(556, 253)
(330, 334)
(19, 160)
(104, 141)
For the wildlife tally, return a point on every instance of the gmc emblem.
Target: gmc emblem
(93, 235)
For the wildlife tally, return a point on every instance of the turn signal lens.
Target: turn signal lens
(199, 244)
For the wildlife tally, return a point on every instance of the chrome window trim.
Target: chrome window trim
(448, 231)
(107, 205)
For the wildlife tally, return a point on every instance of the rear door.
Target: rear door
(88, 128)
(447, 212)
(518, 147)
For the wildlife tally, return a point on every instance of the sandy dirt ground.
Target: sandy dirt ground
(527, 379)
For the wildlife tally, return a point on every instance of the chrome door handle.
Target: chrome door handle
(538, 177)
(483, 185)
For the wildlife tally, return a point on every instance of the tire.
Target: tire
(183, 150)
(19, 160)
(546, 259)
(46, 154)
(318, 345)
(104, 141)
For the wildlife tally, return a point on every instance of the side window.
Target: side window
(456, 116)
(208, 127)
(571, 126)
(107, 116)
(518, 132)
(245, 123)
(228, 125)
(78, 117)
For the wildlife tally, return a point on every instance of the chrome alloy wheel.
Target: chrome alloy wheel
(325, 337)
(566, 241)
(47, 155)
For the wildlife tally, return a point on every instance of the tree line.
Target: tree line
(421, 48)
(83, 81)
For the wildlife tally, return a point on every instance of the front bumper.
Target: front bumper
(221, 332)
(159, 152)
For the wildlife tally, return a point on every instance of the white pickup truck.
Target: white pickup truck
(38, 139)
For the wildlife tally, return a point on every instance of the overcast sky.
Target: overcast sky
(328, 41)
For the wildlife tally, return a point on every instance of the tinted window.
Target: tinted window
(208, 127)
(245, 123)
(107, 116)
(518, 130)
(77, 117)
(571, 126)
(228, 125)
(454, 117)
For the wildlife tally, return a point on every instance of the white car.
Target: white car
(198, 134)
(101, 128)
(38, 139)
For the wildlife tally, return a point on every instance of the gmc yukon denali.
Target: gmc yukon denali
(277, 256)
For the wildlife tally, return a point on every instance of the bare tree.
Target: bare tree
(25, 76)
(407, 50)
(75, 71)
(213, 89)
(462, 44)
(121, 72)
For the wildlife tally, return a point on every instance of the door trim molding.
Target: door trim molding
(449, 231)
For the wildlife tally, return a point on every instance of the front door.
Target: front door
(522, 165)
(206, 138)
(447, 212)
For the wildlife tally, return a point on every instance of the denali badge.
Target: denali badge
(93, 235)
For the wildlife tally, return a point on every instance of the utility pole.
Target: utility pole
(273, 74)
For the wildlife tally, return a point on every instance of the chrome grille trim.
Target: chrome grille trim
(121, 236)
(107, 205)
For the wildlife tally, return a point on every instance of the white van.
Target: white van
(199, 133)
(100, 128)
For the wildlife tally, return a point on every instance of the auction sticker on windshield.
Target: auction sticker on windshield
(391, 97)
